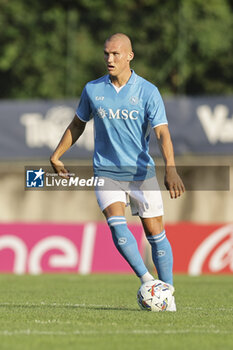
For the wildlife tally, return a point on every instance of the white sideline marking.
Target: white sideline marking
(52, 322)
(204, 308)
(130, 332)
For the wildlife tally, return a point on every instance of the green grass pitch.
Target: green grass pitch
(100, 312)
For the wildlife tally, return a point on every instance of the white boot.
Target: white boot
(172, 306)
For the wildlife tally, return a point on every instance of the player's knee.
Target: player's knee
(114, 209)
(153, 226)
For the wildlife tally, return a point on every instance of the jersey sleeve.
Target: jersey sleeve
(156, 113)
(84, 109)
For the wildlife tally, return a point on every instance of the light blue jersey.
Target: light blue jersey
(122, 124)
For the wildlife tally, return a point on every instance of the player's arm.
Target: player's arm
(172, 180)
(70, 136)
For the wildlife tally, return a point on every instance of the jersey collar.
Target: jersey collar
(131, 80)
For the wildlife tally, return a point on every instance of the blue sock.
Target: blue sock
(162, 256)
(126, 244)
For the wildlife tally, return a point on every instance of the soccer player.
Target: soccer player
(125, 107)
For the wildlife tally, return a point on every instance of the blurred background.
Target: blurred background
(50, 49)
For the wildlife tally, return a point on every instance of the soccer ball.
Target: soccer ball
(155, 296)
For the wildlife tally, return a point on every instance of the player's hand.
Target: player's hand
(59, 168)
(173, 182)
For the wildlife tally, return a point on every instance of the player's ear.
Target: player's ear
(130, 56)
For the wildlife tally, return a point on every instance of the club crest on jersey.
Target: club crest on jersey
(117, 114)
(134, 100)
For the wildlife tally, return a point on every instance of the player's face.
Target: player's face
(117, 57)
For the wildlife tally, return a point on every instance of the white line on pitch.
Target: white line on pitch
(136, 331)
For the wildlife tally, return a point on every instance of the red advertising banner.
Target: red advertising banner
(199, 248)
(86, 248)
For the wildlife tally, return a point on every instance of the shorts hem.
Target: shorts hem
(145, 216)
(105, 205)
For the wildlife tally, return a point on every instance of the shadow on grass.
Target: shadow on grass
(67, 306)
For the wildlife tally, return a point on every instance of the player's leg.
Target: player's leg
(146, 202)
(160, 246)
(124, 240)
(161, 251)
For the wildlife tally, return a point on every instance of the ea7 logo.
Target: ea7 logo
(118, 114)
